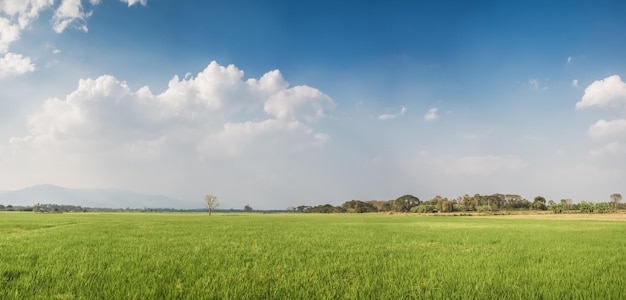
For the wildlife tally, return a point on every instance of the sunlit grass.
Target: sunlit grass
(299, 256)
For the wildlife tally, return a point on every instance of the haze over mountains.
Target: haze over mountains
(102, 198)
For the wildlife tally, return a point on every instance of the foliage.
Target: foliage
(424, 208)
(248, 208)
(358, 206)
(539, 203)
(459, 207)
(483, 208)
(616, 198)
(604, 207)
(405, 203)
(382, 205)
(557, 208)
(325, 209)
(586, 207)
(211, 202)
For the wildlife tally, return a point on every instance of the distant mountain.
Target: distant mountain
(103, 198)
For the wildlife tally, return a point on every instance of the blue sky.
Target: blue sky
(282, 103)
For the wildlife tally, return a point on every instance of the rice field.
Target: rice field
(308, 256)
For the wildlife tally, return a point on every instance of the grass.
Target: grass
(301, 256)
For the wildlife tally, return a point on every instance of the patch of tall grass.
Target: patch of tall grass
(303, 256)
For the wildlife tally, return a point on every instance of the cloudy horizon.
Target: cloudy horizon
(281, 104)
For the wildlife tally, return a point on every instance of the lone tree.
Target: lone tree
(616, 198)
(211, 202)
(247, 208)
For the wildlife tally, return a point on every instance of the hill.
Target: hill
(103, 198)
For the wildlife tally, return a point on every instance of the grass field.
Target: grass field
(302, 256)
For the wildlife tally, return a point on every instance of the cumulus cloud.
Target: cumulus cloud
(604, 128)
(575, 83)
(16, 15)
(431, 115)
(72, 11)
(300, 102)
(206, 112)
(15, 64)
(8, 34)
(24, 10)
(608, 92)
(68, 12)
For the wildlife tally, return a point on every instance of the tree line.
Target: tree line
(465, 203)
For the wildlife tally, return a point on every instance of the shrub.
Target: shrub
(604, 207)
(586, 207)
(459, 207)
(423, 208)
(483, 208)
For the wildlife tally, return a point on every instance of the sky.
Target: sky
(286, 103)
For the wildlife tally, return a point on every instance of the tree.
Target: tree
(247, 208)
(539, 203)
(467, 200)
(569, 201)
(211, 202)
(616, 198)
(405, 203)
(586, 207)
(359, 206)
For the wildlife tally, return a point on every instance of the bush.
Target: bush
(586, 207)
(423, 208)
(557, 208)
(459, 207)
(483, 208)
(604, 207)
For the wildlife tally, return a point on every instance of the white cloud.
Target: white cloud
(24, 10)
(603, 128)
(15, 64)
(569, 59)
(384, 117)
(612, 148)
(575, 83)
(8, 34)
(300, 102)
(535, 84)
(431, 115)
(322, 137)
(609, 92)
(207, 112)
(207, 133)
(16, 15)
(133, 2)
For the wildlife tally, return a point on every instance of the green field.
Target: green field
(306, 256)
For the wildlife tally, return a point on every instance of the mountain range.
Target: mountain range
(101, 198)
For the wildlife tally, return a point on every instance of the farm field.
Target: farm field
(309, 256)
